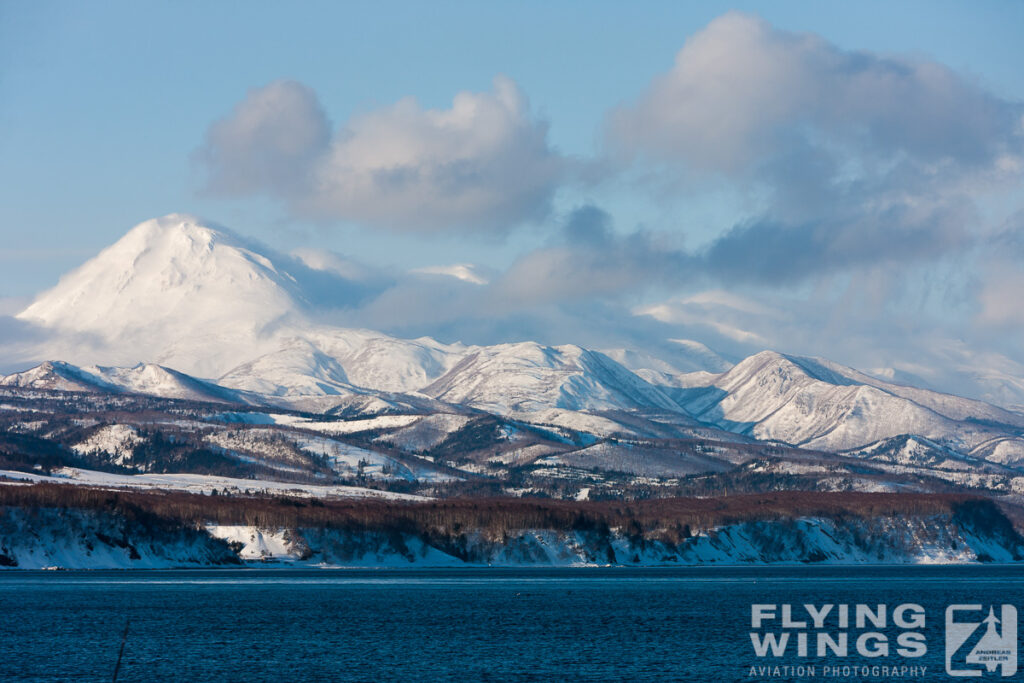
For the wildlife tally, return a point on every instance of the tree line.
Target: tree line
(670, 519)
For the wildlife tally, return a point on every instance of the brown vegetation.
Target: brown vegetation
(672, 516)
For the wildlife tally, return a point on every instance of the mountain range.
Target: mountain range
(178, 309)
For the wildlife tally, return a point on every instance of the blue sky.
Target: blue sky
(109, 115)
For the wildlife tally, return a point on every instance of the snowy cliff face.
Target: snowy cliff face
(938, 539)
(79, 539)
(42, 538)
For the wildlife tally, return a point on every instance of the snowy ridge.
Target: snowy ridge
(947, 405)
(640, 459)
(144, 378)
(296, 369)
(805, 402)
(201, 483)
(58, 376)
(118, 441)
(528, 377)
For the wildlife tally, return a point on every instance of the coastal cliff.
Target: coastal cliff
(110, 530)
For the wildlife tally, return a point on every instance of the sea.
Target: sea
(489, 624)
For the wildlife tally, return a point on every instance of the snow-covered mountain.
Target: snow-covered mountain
(823, 405)
(528, 377)
(170, 291)
(143, 378)
(174, 293)
(57, 375)
(207, 303)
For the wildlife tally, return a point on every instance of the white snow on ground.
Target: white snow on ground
(202, 483)
(637, 459)
(356, 426)
(320, 548)
(117, 440)
(19, 408)
(345, 459)
(522, 456)
(256, 543)
(272, 448)
(1008, 451)
(576, 421)
(257, 418)
(30, 425)
(425, 433)
(281, 419)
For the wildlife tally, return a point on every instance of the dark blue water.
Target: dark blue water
(427, 625)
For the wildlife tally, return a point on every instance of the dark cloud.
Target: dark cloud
(1009, 240)
(588, 225)
(590, 260)
(14, 330)
(776, 253)
(18, 340)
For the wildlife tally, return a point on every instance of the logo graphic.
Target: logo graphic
(972, 651)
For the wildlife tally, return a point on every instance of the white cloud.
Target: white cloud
(332, 262)
(723, 299)
(484, 164)
(850, 159)
(269, 141)
(466, 272)
(741, 91)
(709, 313)
(1000, 295)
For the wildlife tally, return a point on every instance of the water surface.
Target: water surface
(427, 625)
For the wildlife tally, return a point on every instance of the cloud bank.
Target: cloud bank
(855, 158)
